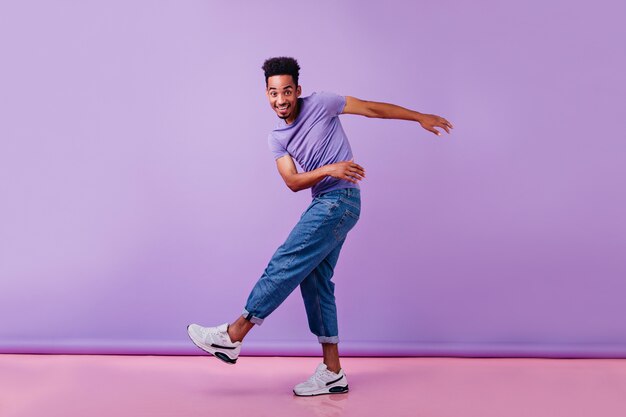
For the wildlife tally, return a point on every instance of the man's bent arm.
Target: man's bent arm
(296, 181)
(392, 111)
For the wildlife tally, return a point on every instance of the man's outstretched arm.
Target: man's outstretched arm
(345, 170)
(391, 111)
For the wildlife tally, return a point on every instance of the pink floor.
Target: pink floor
(181, 386)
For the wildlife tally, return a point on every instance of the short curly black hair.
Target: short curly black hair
(282, 65)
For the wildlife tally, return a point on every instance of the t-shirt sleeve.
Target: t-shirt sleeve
(275, 146)
(332, 103)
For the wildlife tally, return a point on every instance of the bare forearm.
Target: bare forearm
(344, 170)
(303, 180)
(391, 111)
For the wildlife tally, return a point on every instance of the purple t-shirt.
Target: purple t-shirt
(315, 138)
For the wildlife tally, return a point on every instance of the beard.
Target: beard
(285, 116)
(292, 111)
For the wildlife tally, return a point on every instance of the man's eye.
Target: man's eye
(287, 93)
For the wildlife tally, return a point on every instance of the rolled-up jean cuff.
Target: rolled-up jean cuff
(328, 339)
(248, 316)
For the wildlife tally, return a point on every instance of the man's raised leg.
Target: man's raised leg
(239, 329)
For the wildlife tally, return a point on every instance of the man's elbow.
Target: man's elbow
(292, 185)
(372, 111)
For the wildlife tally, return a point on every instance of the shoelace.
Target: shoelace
(207, 332)
(215, 334)
(318, 373)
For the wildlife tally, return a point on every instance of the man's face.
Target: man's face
(283, 95)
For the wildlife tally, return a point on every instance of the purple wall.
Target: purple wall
(139, 195)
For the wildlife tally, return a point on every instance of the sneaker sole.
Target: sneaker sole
(220, 355)
(325, 391)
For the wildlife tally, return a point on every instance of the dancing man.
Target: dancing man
(310, 132)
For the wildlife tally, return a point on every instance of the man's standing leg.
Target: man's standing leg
(318, 292)
(319, 300)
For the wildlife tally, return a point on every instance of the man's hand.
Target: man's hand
(346, 170)
(431, 121)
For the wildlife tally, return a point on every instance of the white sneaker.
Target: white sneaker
(216, 341)
(323, 381)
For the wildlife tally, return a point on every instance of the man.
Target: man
(309, 132)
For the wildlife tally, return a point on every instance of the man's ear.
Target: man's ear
(298, 91)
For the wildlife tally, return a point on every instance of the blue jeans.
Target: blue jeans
(308, 258)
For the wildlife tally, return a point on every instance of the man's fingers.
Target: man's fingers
(357, 176)
(435, 131)
(358, 172)
(353, 176)
(353, 171)
(437, 121)
(441, 123)
(446, 125)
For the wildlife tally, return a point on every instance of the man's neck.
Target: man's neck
(296, 113)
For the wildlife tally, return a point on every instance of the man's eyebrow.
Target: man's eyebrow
(284, 88)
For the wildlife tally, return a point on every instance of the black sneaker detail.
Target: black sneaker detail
(222, 347)
(332, 382)
(224, 357)
(336, 390)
